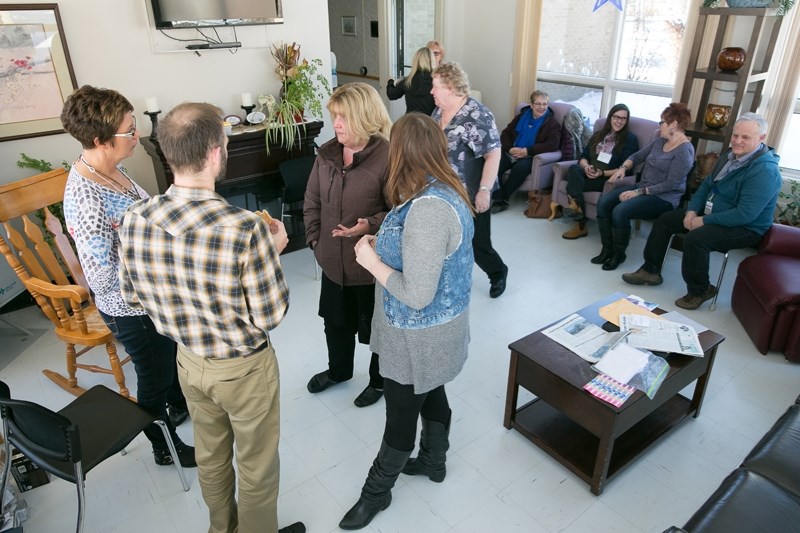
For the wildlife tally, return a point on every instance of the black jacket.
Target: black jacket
(418, 97)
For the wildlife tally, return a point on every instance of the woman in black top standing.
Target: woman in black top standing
(416, 87)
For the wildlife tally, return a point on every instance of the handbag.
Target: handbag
(538, 204)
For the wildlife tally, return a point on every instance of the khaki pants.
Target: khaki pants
(235, 402)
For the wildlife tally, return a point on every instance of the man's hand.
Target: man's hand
(688, 218)
(279, 236)
(361, 228)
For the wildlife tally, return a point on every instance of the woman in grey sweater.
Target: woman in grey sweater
(422, 260)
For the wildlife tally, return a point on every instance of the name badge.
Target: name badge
(709, 207)
(604, 157)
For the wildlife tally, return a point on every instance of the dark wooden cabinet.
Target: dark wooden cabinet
(747, 82)
(250, 170)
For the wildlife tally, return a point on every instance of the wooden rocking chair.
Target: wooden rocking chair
(40, 267)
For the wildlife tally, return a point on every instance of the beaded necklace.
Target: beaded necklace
(111, 183)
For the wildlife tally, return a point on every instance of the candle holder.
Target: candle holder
(154, 119)
(247, 110)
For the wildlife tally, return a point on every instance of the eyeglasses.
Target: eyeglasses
(130, 133)
(437, 54)
(539, 104)
(660, 122)
(619, 117)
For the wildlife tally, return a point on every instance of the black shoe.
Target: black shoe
(320, 382)
(368, 396)
(185, 456)
(177, 415)
(297, 527)
(499, 207)
(498, 286)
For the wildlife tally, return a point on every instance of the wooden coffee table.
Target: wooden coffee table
(592, 438)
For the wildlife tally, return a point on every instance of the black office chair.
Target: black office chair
(295, 173)
(68, 444)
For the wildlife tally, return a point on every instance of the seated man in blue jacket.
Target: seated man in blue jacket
(733, 208)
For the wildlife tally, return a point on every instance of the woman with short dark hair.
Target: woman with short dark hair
(667, 162)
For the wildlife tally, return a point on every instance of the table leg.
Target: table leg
(604, 449)
(702, 383)
(512, 391)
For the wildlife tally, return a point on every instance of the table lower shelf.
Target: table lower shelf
(577, 449)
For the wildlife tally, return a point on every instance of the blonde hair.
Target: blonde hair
(423, 62)
(362, 108)
(437, 44)
(452, 75)
(417, 150)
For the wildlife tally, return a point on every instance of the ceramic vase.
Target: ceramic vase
(717, 116)
(731, 59)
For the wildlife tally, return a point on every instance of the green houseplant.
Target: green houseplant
(788, 209)
(303, 89)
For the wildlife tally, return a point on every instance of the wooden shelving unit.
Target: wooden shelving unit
(748, 79)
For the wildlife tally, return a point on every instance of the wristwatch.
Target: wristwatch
(484, 188)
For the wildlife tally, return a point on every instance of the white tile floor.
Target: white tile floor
(497, 481)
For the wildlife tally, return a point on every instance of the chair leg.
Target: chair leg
(79, 485)
(116, 369)
(719, 281)
(174, 453)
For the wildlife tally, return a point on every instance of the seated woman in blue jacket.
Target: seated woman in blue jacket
(533, 131)
(604, 153)
(416, 87)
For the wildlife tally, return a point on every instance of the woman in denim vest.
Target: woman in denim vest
(422, 261)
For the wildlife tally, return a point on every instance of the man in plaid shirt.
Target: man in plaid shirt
(209, 276)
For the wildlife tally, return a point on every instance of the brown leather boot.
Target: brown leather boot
(553, 211)
(578, 231)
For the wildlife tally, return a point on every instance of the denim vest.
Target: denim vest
(455, 281)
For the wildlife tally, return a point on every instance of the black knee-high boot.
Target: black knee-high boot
(621, 238)
(376, 494)
(606, 239)
(433, 445)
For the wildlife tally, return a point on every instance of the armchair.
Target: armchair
(646, 132)
(541, 176)
(766, 293)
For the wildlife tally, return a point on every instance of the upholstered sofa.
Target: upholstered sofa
(766, 293)
(541, 176)
(763, 494)
(646, 132)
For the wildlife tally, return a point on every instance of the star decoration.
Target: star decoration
(599, 3)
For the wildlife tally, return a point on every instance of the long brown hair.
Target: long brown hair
(417, 150)
(619, 137)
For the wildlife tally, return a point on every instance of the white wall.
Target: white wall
(112, 45)
(480, 36)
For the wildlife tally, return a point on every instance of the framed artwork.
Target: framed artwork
(36, 74)
(349, 26)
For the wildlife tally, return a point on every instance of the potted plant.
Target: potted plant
(783, 5)
(302, 91)
(787, 211)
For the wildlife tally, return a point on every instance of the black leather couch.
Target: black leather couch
(763, 494)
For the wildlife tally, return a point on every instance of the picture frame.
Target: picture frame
(36, 74)
(349, 26)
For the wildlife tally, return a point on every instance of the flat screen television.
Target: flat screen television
(198, 13)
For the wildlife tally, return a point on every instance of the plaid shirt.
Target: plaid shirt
(206, 272)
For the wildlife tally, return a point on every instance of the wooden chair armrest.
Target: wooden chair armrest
(74, 293)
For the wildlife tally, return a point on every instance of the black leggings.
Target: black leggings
(403, 408)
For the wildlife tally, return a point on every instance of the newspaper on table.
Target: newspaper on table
(660, 335)
(581, 336)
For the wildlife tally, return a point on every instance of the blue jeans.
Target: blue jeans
(153, 357)
(697, 246)
(621, 213)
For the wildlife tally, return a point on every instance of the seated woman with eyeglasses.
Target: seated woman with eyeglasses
(667, 161)
(534, 130)
(604, 153)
